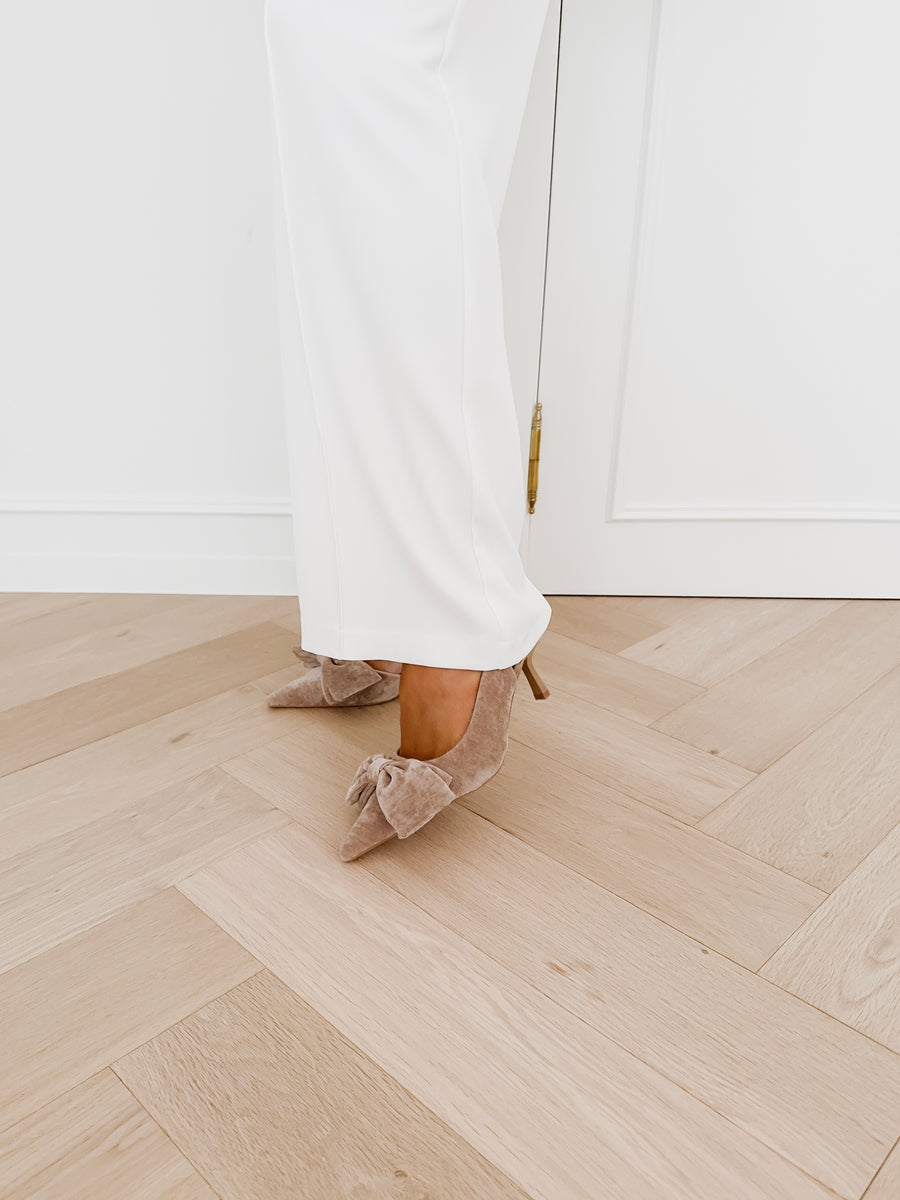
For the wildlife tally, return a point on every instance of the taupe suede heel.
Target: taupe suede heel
(335, 683)
(399, 795)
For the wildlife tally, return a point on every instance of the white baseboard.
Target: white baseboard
(184, 575)
(207, 552)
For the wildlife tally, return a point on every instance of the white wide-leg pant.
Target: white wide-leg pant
(395, 124)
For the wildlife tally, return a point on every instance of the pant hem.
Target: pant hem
(427, 650)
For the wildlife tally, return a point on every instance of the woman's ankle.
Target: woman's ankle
(436, 704)
(384, 664)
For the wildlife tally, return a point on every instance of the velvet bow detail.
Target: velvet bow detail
(408, 791)
(341, 677)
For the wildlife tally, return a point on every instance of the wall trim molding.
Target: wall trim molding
(646, 198)
(128, 544)
(753, 512)
(152, 574)
(243, 506)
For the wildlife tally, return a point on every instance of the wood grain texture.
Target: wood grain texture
(819, 810)
(25, 606)
(886, 1184)
(561, 981)
(726, 900)
(819, 1093)
(539, 1093)
(667, 610)
(635, 691)
(90, 711)
(763, 710)
(98, 995)
(148, 628)
(71, 882)
(272, 1103)
(711, 642)
(35, 625)
(845, 959)
(600, 621)
(95, 1143)
(639, 761)
(723, 898)
(61, 794)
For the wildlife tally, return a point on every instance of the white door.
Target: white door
(721, 358)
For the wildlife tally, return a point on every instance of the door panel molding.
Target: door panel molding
(832, 528)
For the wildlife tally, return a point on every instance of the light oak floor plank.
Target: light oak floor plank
(115, 647)
(95, 1143)
(100, 994)
(27, 606)
(760, 712)
(629, 757)
(845, 959)
(38, 626)
(660, 770)
(62, 794)
(535, 1090)
(820, 808)
(599, 621)
(821, 1094)
(71, 882)
(723, 898)
(272, 1103)
(632, 690)
(562, 967)
(705, 646)
(668, 610)
(728, 901)
(78, 715)
(886, 1184)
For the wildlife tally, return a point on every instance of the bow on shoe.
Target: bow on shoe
(341, 677)
(408, 791)
(307, 657)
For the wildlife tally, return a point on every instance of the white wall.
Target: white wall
(139, 376)
(142, 429)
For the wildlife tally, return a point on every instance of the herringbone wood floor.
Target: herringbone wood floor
(656, 958)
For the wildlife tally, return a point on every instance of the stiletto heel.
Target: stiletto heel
(539, 689)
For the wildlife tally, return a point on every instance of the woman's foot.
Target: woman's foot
(436, 706)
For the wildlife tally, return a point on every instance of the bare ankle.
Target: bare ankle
(384, 664)
(436, 704)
